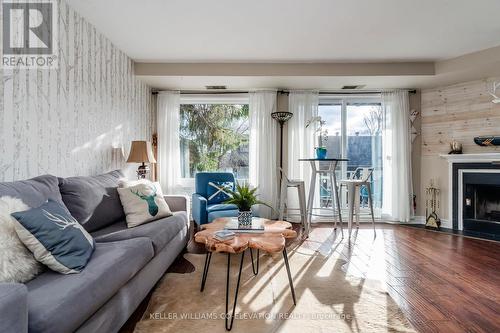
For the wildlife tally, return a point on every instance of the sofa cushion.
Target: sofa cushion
(34, 192)
(160, 231)
(54, 237)
(93, 201)
(219, 207)
(143, 202)
(221, 213)
(61, 303)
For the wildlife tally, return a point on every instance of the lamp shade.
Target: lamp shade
(141, 152)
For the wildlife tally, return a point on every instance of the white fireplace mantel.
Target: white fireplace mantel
(471, 158)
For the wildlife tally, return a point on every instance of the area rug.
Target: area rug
(328, 299)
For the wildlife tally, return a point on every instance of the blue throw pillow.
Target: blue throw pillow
(217, 192)
(55, 237)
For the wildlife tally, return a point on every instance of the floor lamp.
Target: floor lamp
(282, 117)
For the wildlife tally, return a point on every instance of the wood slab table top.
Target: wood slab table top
(272, 240)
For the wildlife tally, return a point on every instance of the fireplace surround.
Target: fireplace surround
(474, 201)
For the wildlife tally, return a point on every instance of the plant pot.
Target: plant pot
(245, 218)
(321, 153)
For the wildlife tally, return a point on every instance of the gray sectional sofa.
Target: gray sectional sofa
(124, 267)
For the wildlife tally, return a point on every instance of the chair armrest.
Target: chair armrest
(13, 308)
(199, 211)
(177, 203)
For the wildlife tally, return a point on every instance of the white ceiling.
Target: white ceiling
(295, 30)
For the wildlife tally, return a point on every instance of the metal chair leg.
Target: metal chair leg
(255, 269)
(290, 281)
(208, 257)
(370, 199)
(229, 325)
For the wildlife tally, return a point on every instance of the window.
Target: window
(214, 136)
(355, 132)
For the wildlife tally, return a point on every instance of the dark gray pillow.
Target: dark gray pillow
(33, 192)
(93, 201)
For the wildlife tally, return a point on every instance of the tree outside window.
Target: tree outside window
(214, 137)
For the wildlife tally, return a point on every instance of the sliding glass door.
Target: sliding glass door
(354, 132)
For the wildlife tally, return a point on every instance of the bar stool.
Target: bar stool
(300, 186)
(359, 178)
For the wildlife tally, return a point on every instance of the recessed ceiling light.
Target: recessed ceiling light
(352, 87)
(216, 87)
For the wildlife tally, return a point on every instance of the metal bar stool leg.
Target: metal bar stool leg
(229, 320)
(370, 199)
(208, 257)
(303, 210)
(255, 268)
(337, 199)
(283, 197)
(290, 281)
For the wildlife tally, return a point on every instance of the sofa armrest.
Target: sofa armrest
(199, 211)
(177, 203)
(13, 307)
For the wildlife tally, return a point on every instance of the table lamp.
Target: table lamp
(141, 152)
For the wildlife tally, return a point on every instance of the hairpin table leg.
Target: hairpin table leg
(208, 257)
(229, 325)
(255, 270)
(285, 258)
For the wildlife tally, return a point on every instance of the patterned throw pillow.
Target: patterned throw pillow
(217, 192)
(143, 202)
(55, 238)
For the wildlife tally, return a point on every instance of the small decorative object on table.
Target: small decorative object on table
(488, 140)
(224, 235)
(432, 207)
(141, 152)
(456, 147)
(256, 225)
(244, 198)
(321, 150)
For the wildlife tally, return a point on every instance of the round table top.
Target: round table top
(271, 240)
(324, 159)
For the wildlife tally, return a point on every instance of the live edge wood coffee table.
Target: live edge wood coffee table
(271, 240)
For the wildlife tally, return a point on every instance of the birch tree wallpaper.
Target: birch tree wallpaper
(77, 119)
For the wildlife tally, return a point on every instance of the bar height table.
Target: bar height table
(334, 192)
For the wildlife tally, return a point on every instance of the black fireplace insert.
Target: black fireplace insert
(481, 202)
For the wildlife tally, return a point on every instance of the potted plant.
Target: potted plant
(244, 198)
(322, 138)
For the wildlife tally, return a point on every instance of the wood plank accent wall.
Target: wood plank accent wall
(459, 112)
(67, 121)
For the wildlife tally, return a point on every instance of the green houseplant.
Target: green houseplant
(244, 198)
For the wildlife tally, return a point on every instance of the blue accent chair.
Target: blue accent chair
(203, 212)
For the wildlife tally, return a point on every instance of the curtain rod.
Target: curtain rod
(224, 92)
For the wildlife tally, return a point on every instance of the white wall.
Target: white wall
(66, 121)
(457, 112)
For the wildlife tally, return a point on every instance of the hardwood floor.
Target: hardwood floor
(442, 282)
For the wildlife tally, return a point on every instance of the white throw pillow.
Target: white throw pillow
(143, 202)
(17, 263)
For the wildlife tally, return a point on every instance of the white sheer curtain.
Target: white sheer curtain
(397, 187)
(301, 140)
(169, 156)
(263, 148)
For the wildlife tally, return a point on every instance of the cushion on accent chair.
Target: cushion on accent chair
(93, 201)
(217, 191)
(55, 237)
